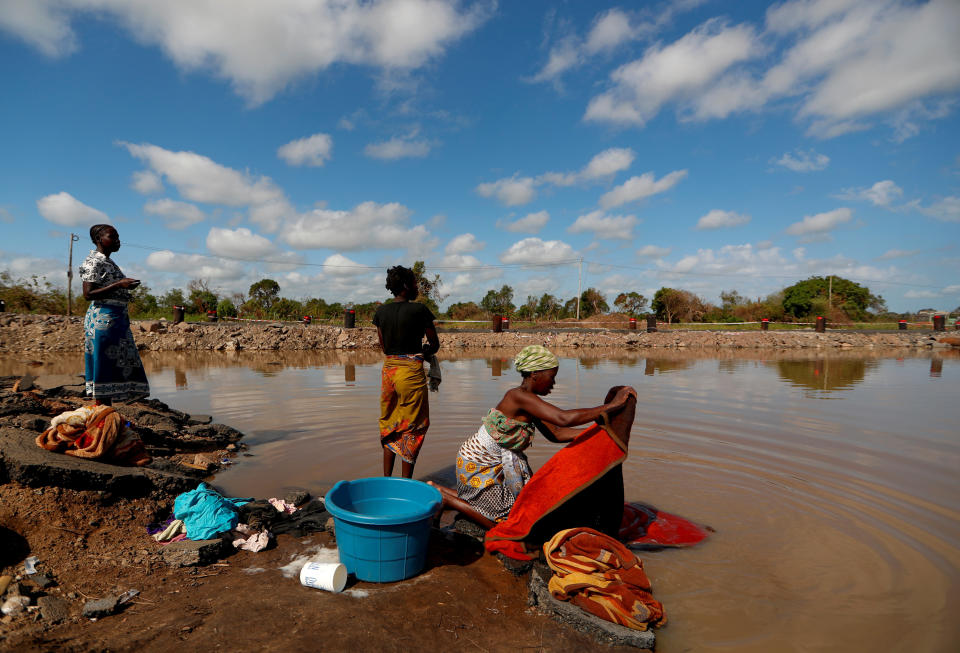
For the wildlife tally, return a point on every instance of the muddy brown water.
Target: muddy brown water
(831, 480)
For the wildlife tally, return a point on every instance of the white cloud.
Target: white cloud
(947, 209)
(821, 222)
(146, 182)
(261, 47)
(530, 223)
(654, 252)
(463, 243)
(194, 266)
(535, 250)
(611, 227)
(398, 148)
(921, 294)
(803, 161)
(178, 215)
(898, 253)
(608, 163)
(239, 243)
(200, 179)
(311, 150)
(6, 216)
(63, 208)
(676, 72)
(841, 63)
(637, 188)
(609, 30)
(367, 226)
(511, 191)
(339, 265)
(800, 253)
(881, 193)
(717, 219)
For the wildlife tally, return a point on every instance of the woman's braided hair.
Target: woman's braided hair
(399, 279)
(98, 230)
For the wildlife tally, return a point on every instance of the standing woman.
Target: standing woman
(404, 409)
(113, 368)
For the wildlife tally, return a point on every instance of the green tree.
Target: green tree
(287, 309)
(316, 308)
(631, 303)
(569, 308)
(592, 302)
(498, 302)
(429, 287)
(548, 307)
(464, 311)
(263, 294)
(673, 304)
(201, 298)
(226, 308)
(142, 302)
(528, 310)
(819, 295)
(173, 297)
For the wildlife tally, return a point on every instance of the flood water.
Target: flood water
(833, 482)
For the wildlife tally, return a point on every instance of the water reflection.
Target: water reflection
(825, 374)
(350, 373)
(936, 367)
(180, 378)
(663, 365)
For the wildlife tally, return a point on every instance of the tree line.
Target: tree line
(836, 298)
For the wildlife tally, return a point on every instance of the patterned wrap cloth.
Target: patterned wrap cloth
(112, 365)
(491, 465)
(600, 575)
(534, 358)
(95, 432)
(404, 408)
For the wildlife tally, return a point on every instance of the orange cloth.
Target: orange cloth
(600, 575)
(102, 436)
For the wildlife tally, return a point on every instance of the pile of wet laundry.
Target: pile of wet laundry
(204, 513)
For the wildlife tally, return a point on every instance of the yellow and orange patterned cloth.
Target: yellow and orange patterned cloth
(600, 575)
(95, 432)
(404, 408)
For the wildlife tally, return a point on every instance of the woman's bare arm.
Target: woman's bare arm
(433, 341)
(517, 402)
(93, 291)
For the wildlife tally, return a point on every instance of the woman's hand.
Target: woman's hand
(127, 282)
(622, 395)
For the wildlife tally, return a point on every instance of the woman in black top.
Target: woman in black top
(404, 409)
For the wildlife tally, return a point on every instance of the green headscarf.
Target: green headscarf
(534, 358)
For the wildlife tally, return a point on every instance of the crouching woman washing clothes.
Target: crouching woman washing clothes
(491, 466)
(404, 408)
(112, 365)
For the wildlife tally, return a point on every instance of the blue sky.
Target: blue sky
(697, 144)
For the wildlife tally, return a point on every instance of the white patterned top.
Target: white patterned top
(102, 271)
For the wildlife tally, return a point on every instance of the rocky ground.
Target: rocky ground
(84, 524)
(21, 333)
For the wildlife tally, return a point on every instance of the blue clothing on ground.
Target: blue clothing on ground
(205, 512)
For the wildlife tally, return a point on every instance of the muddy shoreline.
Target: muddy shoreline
(20, 333)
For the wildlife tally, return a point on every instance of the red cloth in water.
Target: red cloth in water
(645, 527)
(569, 471)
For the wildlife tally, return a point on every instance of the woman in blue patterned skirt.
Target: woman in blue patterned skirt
(113, 368)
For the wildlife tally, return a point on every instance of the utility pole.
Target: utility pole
(579, 286)
(830, 293)
(73, 238)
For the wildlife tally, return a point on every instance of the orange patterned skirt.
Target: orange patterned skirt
(404, 408)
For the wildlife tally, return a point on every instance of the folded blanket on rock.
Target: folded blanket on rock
(598, 574)
(95, 432)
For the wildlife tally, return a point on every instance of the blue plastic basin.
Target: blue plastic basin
(383, 526)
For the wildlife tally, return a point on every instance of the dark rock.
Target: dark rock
(296, 496)
(41, 580)
(515, 567)
(469, 528)
(603, 631)
(14, 403)
(100, 607)
(26, 382)
(31, 422)
(217, 432)
(190, 553)
(53, 609)
(199, 419)
(22, 461)
(61, 385)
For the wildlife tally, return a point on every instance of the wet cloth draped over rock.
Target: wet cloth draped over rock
(112, 365)
(205, 512)
(491, 466)
(404, 409)
(95, 432)
(261, 514)
(600, 575)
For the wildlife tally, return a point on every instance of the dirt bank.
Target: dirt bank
(53, 333)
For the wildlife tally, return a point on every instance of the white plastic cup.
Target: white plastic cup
(330, 576)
